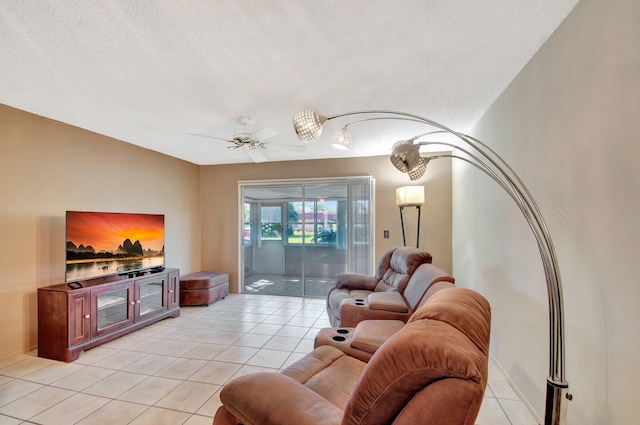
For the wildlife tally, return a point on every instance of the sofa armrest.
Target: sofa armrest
(272, 398)
(388, 301)
(371, 334)
(356, 281)
(354, 311)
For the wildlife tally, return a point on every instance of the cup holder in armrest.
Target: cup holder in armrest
(358, 301)
(338, 338)
(342, 331)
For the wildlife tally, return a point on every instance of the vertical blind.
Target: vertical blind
(360, 225)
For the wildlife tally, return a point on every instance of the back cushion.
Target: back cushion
(461, 308)
(423, 352)
(425, 276)
(384, 264)
(402, 263)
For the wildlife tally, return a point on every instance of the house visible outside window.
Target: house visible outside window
(316, 222)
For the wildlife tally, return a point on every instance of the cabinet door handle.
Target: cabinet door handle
(171, 291)
(132, 303)
(87, 316)
(138, 301)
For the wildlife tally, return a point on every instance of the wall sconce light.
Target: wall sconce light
(407, 159)
(410, 196)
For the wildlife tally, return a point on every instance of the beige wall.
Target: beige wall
(569, 124)
(219, 185)
(46, 168)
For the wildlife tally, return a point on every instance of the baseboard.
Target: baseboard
(516, 390)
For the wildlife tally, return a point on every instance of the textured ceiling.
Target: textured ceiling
(154, 73)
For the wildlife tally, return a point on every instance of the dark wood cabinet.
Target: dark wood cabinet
(71, 320)
(79, 318)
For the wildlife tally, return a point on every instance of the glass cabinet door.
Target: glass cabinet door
(150, 296)
(112, 308)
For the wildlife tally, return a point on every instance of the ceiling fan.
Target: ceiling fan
(254, 142)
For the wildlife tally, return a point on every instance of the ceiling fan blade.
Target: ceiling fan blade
(285, 147)
(210, 137)
(256, 155)
(263, 134)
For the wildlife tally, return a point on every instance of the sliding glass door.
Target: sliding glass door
(322, 256)
(298, 235)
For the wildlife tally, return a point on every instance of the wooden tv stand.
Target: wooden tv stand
(73, 318)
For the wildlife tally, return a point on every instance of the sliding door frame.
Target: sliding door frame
(304, 182)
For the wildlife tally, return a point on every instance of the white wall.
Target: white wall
(570, 125)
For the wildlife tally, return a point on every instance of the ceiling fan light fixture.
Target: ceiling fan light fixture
(308, 125)
(342, 140)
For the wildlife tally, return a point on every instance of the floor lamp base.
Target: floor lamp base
(556, 404)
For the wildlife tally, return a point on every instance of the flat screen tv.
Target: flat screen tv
(107, 243)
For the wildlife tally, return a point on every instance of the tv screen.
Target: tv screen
(105, 243)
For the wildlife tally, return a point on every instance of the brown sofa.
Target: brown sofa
(375, 326)
(433, 370)
(348, 307)
(355, 296)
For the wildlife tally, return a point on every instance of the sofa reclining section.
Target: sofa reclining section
(433, 369)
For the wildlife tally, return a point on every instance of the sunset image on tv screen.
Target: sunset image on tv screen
(100, 243)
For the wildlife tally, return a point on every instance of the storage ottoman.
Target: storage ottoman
(203, 288)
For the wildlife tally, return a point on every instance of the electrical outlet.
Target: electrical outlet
(386, 234)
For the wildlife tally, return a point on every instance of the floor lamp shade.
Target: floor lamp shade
(410, 196)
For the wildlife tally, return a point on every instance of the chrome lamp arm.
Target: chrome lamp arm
(405, 156)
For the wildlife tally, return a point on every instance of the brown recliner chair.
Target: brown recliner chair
(352, 290)
(433, 370)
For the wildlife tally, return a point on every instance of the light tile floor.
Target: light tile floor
(171, 372)
(287, 285)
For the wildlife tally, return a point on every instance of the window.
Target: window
(246, 229)
(316, 223)
(271, 223)
(307, 228)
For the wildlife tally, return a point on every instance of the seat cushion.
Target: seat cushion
(329, 373)
(388, 301)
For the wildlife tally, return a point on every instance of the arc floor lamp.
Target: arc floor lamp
(405, 156)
